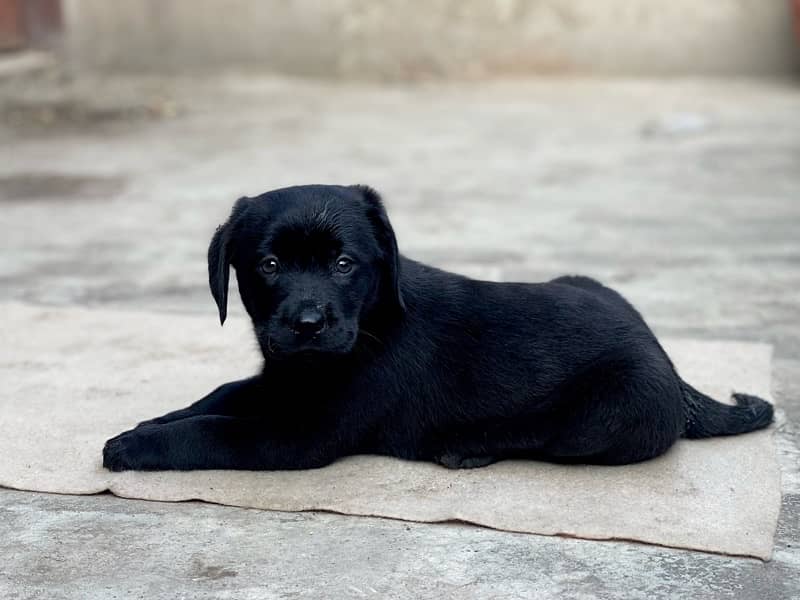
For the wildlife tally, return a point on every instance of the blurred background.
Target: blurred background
(655, 145)
(652, 145)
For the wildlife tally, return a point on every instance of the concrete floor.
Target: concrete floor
(683, 194)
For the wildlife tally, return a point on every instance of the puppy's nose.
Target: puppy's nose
(309, 322)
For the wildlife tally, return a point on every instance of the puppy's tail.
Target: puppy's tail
(705, 417)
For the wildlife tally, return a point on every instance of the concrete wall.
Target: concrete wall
(398, 39)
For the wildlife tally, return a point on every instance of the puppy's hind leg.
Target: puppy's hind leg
(456, 461)
(618, 415)
(490, 441)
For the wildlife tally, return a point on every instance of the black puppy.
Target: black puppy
(367, 352)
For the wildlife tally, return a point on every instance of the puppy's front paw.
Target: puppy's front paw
(133, 450)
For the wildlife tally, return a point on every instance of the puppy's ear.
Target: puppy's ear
(220, 256)
(387, 240)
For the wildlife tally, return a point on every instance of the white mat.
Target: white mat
(71, 378)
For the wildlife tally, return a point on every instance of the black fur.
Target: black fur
(369, 352)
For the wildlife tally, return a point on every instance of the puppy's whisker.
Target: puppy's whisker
(369, 335)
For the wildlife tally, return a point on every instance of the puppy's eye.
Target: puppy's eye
(344, 264)
(269, 266)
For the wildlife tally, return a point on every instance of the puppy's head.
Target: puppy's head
(312, 262)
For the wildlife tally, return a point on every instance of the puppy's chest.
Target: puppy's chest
(383, 390)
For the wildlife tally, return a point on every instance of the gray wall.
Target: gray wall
(398, 39)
